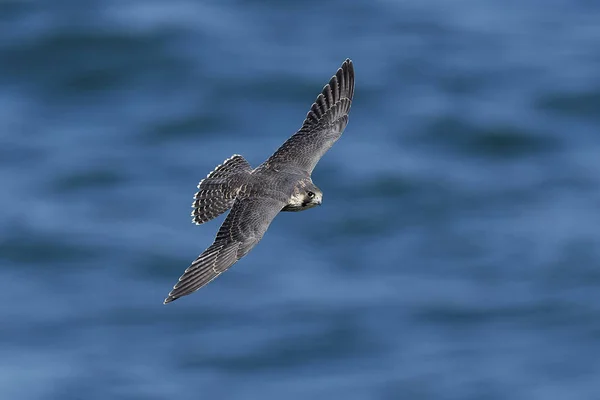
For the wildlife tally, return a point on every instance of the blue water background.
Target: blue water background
(457, 252)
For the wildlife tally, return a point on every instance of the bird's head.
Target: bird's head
(306, 195)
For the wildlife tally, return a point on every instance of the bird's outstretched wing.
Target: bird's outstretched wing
(323, 125)
(243, 228)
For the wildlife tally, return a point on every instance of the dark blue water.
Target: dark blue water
(457, 253)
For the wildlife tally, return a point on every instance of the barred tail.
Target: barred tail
(217, 192)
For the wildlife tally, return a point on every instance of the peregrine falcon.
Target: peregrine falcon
(256, 196)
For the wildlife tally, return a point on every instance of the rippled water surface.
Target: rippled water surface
(457, 252)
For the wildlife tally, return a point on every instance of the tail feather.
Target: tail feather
(216, 193)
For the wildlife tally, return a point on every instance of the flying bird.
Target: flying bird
(256, 196)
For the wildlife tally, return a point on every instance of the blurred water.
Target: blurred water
(456, 255)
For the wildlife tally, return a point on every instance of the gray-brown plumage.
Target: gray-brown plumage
(256, 196)
(217, 192)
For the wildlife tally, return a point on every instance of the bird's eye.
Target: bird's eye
(311, 194)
